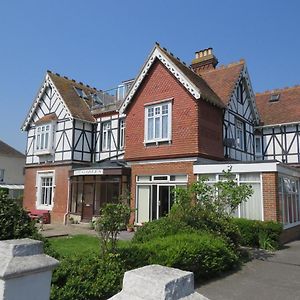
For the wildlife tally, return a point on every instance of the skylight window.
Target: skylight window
(274, 97)
(80, 92)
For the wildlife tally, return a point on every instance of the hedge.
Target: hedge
(87, 277)
(262, 234)
(202, 253)
(160, 228)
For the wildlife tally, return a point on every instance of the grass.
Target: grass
(78, 244)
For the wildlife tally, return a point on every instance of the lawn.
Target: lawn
(77, 244)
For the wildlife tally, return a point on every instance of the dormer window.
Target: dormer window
(158, 122)
(81, 93)
(274, 98)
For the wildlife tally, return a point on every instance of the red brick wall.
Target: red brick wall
(210, 130)
(160, 84)
(184, 168)
(270, 196)
(60, 193)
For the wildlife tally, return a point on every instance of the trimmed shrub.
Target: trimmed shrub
(87, 277)
(202, 253)
(262, 234)
(159, 229)
(14, 221)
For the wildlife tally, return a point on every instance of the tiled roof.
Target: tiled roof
(205, 89)
(6, 150)
(79, 107)
(46, 119)
(285, 110)
(223, 79)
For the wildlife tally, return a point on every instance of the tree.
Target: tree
(113, 218)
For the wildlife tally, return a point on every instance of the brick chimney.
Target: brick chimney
(204, 60)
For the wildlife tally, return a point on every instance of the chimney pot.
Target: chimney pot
(204, 60)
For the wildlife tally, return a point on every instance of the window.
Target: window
(81, 93)
(121, 134)
(289, 201)
(1, 175)
(158, 123)
(239, 134)
(106, 136)
(240, 94)
(258, 147)
(45, 190)
(43, 136)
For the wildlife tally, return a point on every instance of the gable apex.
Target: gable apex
(193, 83)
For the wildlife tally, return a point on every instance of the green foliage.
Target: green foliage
(202, 253)
(87, 277)
(113, 218)
(14, 221)
(262, 234)
(209, 207)
(159, 229)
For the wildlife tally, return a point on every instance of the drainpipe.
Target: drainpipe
(68, 202)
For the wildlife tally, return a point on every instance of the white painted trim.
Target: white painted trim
(277, 125)
(236, 168)
(162, 161)
(157, 53)
(39, 174)
(262, 198)
(47, 82)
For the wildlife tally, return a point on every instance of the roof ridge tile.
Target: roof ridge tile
(278, 90)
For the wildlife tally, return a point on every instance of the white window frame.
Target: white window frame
(121, 133)
(106, 136)
(158, 113)
(40, 203)
(240, 134)
(43, 133)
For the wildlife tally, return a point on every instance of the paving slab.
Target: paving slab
(59, 230)
(267, 277)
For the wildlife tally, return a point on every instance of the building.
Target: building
(12, 164)
(170, 125)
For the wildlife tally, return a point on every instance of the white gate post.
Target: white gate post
(25, 271)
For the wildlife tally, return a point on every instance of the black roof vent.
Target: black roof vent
(274, 98)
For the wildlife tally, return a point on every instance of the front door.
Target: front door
(87, 202)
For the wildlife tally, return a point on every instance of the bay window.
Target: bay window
(158, 122)
(43, 138)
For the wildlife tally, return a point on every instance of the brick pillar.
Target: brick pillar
(271, 196)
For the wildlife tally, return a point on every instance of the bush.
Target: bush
(262, 234)
(14, 221)
(87, 277)
(159, 229)
(202, 253)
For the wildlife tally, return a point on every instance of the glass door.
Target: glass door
(162, 200)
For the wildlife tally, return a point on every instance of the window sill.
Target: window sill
(158, 142)
(43, 152)
(44, 207)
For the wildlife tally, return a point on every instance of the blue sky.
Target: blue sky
(102, 43)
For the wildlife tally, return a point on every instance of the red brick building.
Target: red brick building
(170, 125)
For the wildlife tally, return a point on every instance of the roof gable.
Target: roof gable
(285, 110)
(193, 83)
(225, 79)
(75, 106)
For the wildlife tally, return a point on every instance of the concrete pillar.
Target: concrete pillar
(25, 272)
(156, 282)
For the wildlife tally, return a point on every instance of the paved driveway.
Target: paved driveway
(268, 277)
